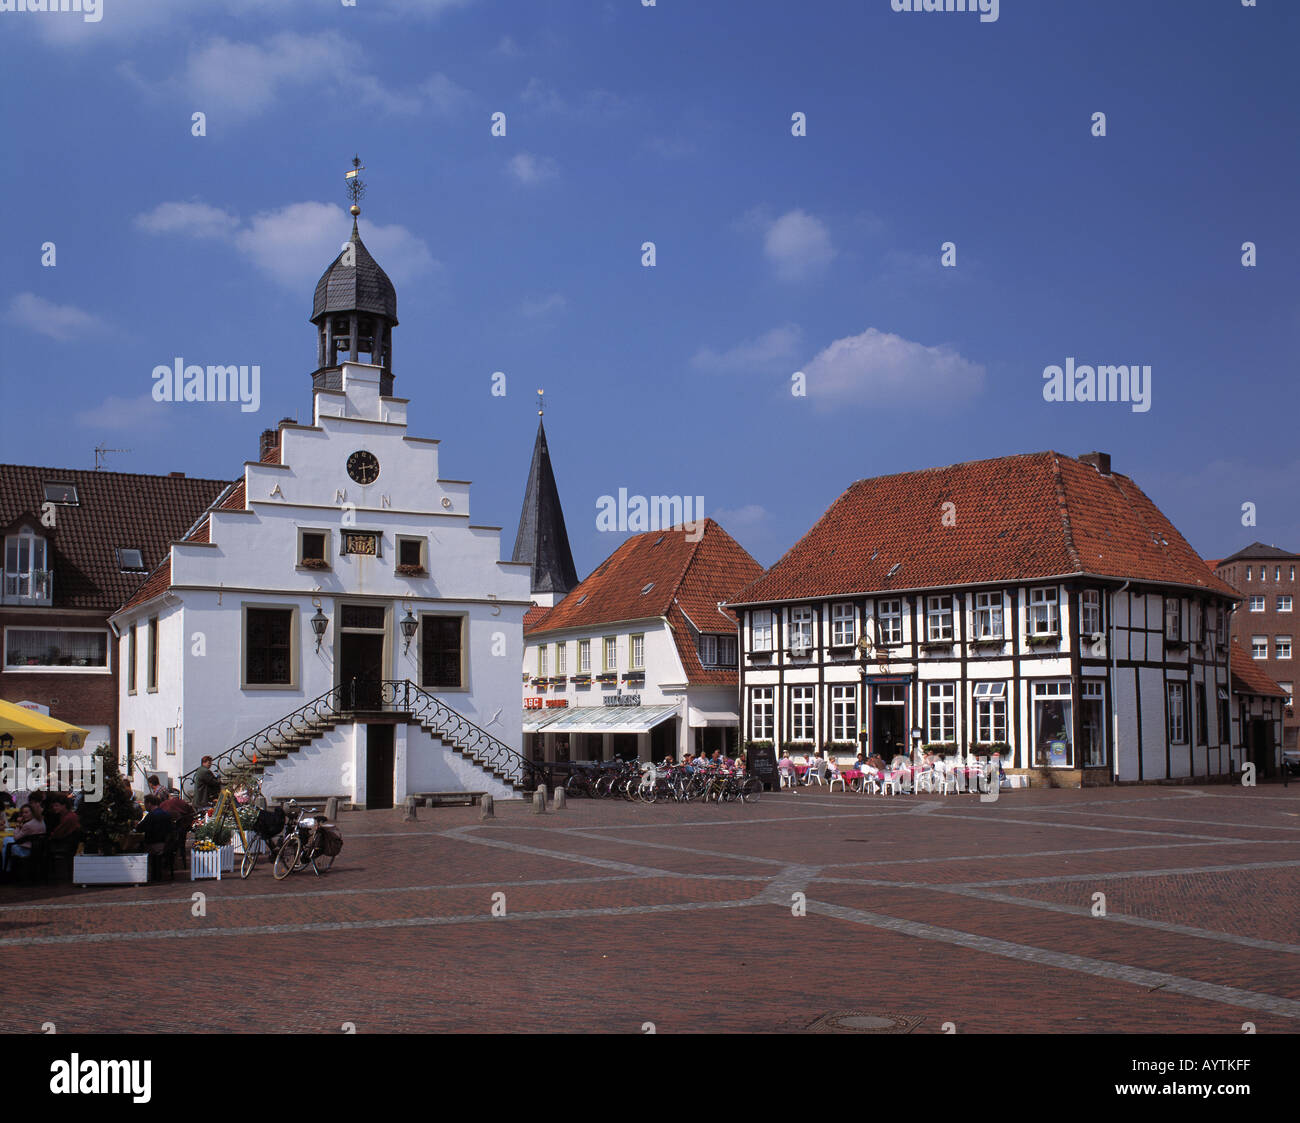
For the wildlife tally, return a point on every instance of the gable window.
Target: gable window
(803, 713)
(152, 681)
(442, 651)
(938, 620)
(64, 494)
(270, 648)
(842, 625)
(584, 656)
(1177, 713)
(314, 548)
(761, 631)
(1044, 612)
(760, 714)
(889, 622)
(25, 571)
(130, 560)
(990, 712)
(1257, 604)
(988, 615)
(1173, 621)
(727, 651)
(64, 649)
(801, 630)
(1090, 612)
(709, 650)
(1259, 647)
(941, 711)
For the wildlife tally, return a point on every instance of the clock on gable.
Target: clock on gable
(363, 467)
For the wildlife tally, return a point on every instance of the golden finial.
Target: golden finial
(541, 403)
(356, 188)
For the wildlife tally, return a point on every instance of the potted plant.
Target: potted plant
(106, 828)
(314, 563)
(410, 571)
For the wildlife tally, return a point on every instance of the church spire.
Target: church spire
(543, 541)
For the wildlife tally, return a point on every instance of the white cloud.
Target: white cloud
(63, 322)
(294, 244)
(527, 168)
(769, 351)
(534, 308)
(737, 519)
(878, 367)
(120, 414)
(798, 245)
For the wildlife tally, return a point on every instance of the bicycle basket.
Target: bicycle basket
(329, 839)
(270, 823)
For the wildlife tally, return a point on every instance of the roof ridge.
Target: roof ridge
(95, 472)
(1063, 506)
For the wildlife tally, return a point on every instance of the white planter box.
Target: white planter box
(257, 847)
(111, 869)
(205, 863)
(227, 853)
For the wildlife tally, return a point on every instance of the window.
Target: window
(1053, 725)
(938, 620)
(62, 493)
(62, 648)
(1201, 716)
(313, 548)
(611, 653)
(561, 658)
(1044, 618)
(131, 659)
(1277, 573)
(152, 681)
(1090, 612)
(844, 713)
(761, 628)
(889, 622)
(1283, 647)
(638, 653)
(1173, 621)
(130, 560)
(543, 663)
(709, 650)
(410, 552)
(25, 571)
(1290, 692)
(990, 712)
(1177, 713)
(1247, 573)
(269, 649)
(803, 713)
(1257, 604)
(727, 651)
(584, 656)
(760, 714)
(170, 745)
(1194, 622)
(1221, 623)
(988, 616)
(1293, 573)
(1259, 647)
(442, 651)
(801, 630)
(1284, 603)
(1092, 719)
(842, 625)
(941, 712)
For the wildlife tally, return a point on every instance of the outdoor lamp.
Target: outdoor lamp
(410, 625)
(319, 623)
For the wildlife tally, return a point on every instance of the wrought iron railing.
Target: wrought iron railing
(359, 696)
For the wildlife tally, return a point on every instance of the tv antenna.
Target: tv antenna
(101, 453)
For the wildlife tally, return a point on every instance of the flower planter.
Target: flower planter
(237, 847)
(110, 869)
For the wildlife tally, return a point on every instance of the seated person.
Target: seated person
(64, 819)
(156, 825)
(156, 788)
(31, 822)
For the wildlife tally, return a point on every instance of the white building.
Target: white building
(1039, 606)
(638, 660)
(335, 621)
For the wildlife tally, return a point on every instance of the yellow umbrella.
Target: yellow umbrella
(31, 730)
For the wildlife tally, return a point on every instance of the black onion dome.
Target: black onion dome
(362, 287)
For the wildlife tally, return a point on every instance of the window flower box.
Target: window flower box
(936, 644)
(634, 676)
(1050, 639)
(313, 563)
(411, 571)
(110, 869)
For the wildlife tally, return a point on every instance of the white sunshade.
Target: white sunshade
(597, 719)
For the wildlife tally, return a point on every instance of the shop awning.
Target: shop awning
(597, 719)
(31, 730)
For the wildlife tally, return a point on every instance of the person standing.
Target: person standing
(206, 786)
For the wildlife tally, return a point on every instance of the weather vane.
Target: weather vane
(356, 187)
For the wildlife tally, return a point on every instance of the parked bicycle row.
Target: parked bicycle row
(653, 783)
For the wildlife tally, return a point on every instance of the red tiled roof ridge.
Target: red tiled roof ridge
(101, 472)
(1251, 675)
(1063, 505)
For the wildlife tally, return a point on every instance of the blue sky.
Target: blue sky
(775, 253)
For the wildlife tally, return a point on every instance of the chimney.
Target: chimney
(1099, 460)
(270, 439)
(176, 475)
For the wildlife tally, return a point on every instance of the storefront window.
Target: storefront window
(1053, 722)
(1092, 715)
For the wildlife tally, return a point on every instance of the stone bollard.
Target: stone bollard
(486, 810)
(408, 811)
(332, 808)
(560, 800)
(539, 801)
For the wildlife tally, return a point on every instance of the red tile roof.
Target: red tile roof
(687, 579)
(1014, 518)
(115, 509)
(1249, 678)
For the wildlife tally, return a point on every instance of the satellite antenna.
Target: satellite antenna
(101, 453)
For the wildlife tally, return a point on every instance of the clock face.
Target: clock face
(363, 467)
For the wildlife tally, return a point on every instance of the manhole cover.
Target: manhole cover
(861, 1021)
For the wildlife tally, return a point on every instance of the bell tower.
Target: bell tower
(355, 308)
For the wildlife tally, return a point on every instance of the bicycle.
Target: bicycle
(306, 838)
(267, 829)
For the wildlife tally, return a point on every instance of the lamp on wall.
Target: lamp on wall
(410, 625)
(319, 622)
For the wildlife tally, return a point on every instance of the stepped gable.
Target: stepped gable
(1014, 518)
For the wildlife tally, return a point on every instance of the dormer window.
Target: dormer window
(25, 574)
(64, 494)
(130, 560)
